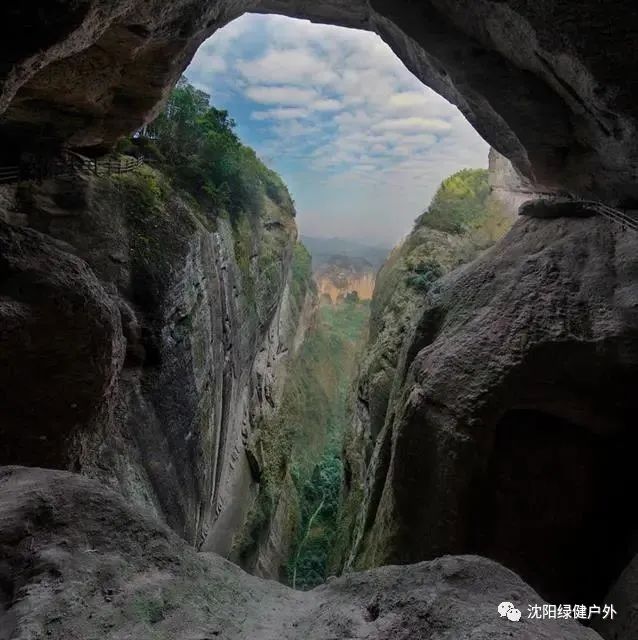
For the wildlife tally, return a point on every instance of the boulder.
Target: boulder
(78, 562)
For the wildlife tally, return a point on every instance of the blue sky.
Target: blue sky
(361, 143)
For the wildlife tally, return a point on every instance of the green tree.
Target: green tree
(199, 149)
(319, 507)
(459, 203)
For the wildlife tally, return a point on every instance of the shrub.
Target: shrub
(196, 145)
(423, 274)
(459, 203)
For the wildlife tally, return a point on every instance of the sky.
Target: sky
(360, 142)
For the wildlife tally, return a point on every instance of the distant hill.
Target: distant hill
(325, 250)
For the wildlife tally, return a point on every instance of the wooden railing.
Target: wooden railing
(619, 217)
(106, 165)
(68, 163)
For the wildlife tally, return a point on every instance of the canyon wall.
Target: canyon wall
(402, 287)
(144, 340)
(499, 388)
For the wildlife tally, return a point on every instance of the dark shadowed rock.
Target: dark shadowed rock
(559, 208)
(61, 348)
(624, 596)
(207, 343)
(76, 561)
(510, 431)
(548, 85)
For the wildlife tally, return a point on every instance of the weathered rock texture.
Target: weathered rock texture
(508, 187)
(78, 561)
(202, 308)
(61, 348)
(510, 428)
(548, 85)
(394, 312)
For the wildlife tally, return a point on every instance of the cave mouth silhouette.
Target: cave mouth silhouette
(556, 504)
(519, 74)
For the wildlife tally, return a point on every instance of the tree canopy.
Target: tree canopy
(459, 203)
(199, 149)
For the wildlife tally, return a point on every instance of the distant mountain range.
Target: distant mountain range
(327, 251)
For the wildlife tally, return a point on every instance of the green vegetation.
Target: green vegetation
(459, 204)
(196, 146)
(299, 449)
(301, 273)
(321, 384)
(471, 220)
(198, 173)
(423, 272)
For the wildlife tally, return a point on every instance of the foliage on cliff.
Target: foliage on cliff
(303, 442)
(198, 148)
(328, 362)
(460, 202)
(301, 273)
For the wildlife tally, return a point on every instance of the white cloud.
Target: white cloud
(283, 113)
(326, 104)
(279, 67)
(413, 124)
(281, 95)
(354, 134)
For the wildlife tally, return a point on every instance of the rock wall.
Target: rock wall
(508, 187)
(549, 86)
(512, 391)
(399, 296)
(153, 339)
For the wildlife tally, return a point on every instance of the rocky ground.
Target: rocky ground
(79, 563)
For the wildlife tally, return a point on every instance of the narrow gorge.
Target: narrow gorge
(209, 431)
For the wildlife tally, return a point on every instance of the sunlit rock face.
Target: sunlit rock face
(549, 87)
(344, 276)
(514, 390)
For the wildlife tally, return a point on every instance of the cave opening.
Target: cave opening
(555, 501)
(355, 135)
(556, 506)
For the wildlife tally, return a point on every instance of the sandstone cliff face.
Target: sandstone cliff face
(338, 274)
(513, 391)
(78, 561)
(335, 287)
(151, 374)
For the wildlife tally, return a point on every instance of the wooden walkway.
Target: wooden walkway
(67, 164)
